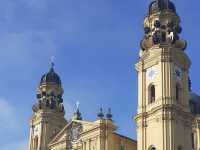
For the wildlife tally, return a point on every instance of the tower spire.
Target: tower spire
(77, 113)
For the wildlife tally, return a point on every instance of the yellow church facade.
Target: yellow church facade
(168, 112)
(93, 136)
(49, 130)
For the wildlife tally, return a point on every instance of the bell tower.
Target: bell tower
(48, 118)
(163, 116)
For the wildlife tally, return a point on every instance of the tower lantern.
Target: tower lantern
(162, 27)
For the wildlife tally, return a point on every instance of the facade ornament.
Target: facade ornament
(109, 114)
(77, 114)
(100, 114)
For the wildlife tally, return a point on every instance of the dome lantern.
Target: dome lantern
(51, 77)
(161, 5)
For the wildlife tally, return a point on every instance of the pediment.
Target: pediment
(72, 131)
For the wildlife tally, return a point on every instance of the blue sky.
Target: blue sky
(95, 43)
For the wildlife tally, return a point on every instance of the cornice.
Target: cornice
(167, 108)
(163, 54)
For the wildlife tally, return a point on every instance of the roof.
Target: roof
(194, 103)
(50, 77)
(128, 138)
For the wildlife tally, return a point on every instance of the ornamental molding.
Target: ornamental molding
(169, 112)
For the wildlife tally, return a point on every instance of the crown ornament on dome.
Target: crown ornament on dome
(51, 77)
(162, 26)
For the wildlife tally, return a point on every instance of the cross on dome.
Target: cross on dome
(77, 105)
(52, 62)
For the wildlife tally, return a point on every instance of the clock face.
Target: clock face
(151, 73)
(178, 73)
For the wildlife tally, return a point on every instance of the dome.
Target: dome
(160, 5)
(194, 101)
(194, 97)
(50, 77)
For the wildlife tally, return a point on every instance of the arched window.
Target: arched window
(122, 147)
(35, 147)
(152, 94)
(194, 140)
(152, 147)
(178, 92)
(180, 147)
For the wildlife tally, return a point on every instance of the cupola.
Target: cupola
(50, 77)
(161, 5)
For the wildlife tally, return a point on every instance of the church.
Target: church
(168, 112)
